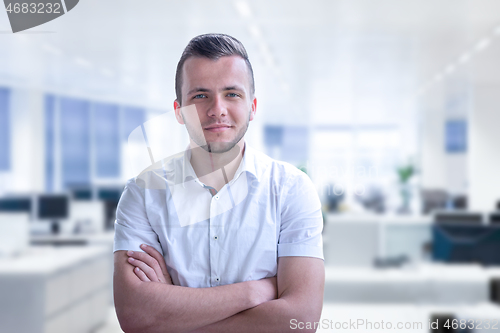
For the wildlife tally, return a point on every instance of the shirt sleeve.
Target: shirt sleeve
(132, 227)
(301, 219)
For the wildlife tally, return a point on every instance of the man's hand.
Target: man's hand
(301, 287)
(149, 266)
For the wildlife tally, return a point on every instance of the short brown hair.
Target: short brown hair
(211, 46)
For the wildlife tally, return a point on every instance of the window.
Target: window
(84, 140)
(273, 135)
(287, 143)
(295, 144)
(132, 118)
(75, 142)
(354, 158)
(49, 142)
(4, 130)
(456, 136)
(105, 127)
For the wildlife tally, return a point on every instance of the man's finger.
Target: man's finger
(141, 275)
(159, 257)
(151, 262)
(150, 273)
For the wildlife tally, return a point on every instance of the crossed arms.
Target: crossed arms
(147, 301)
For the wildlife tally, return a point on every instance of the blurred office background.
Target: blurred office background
(391, 107)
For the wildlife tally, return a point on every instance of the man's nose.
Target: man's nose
(217, 108)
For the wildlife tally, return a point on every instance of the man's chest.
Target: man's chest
(231, 238)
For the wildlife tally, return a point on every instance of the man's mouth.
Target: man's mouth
(217, 128)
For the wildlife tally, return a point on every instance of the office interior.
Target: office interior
(390, 107)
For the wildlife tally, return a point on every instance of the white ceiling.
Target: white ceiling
(342, 60)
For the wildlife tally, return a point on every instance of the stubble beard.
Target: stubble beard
(216, 147)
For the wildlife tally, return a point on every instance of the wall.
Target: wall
(27, 154)
(433, 157)
(484, 156)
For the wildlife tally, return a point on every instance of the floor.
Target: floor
(340, 318)
(376, 318)
(111, 325)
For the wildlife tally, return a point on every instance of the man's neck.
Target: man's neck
(216, 169)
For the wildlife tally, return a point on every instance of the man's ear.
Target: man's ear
(253, 109)
(177, 110)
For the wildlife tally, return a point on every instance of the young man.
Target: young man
(220, 238)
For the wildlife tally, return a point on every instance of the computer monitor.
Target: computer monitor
(15, 204)
(81, 193)
(458, 217)
(466, 243)
(53, 208)
(110, 214)
(111, 197)
(109, 194)
(495, 218)
(460, 202)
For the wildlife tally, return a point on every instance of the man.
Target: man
(220, 238)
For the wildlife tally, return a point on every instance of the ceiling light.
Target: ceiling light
(107, 72)
(464, 58)
(128, 81)
(438, 77)
(255, 31)
(285, 86)
(52, 49)
(83, 63)
(482, 44)
(450, 68)
(266, 54)
(421, 90)
(243, 8)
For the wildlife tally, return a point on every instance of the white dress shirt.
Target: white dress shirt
(269, 209)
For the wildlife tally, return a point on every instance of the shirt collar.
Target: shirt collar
(247, 164)
(187, 169)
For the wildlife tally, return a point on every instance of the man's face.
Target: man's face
(220, 91)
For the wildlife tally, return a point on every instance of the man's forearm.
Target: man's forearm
(272, 316)
(157, 307)
(145, 306)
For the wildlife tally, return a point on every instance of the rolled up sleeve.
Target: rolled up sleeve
(301, 219)
(132, 227)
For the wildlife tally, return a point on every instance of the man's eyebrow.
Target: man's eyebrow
(233, 88)
(198, 89)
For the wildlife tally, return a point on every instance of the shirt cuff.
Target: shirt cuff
(133, 246)
(300, 250)
(131, 239)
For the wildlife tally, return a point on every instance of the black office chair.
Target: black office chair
(460, 202)
(495, 218)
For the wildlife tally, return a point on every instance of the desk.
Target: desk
(357, 240)
(74, 239)
(420, 284)
(101, 239)
(52, 290)
(404, 313)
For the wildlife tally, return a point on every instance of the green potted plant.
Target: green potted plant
(405, 173)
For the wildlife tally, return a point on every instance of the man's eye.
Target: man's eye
(199, 96)
(232, 95)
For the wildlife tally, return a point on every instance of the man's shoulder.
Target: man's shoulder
(154, 177)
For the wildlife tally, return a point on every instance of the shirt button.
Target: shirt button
(216, 197)
(216, 237)
(217, 279)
